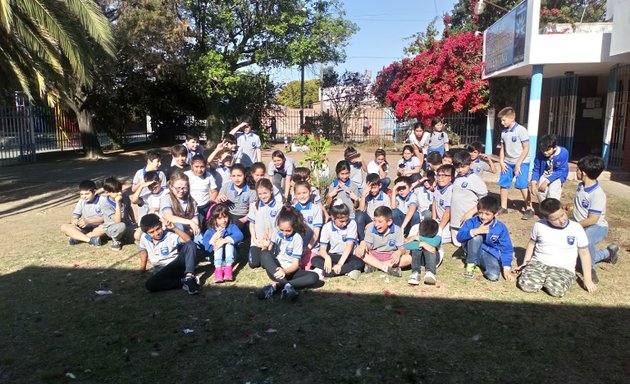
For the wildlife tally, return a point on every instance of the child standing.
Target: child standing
(281, 258)
(337, 241)
(237, 195)
(438, 139)
(418, 139)
(179, 163)
(488, 242)
(313, 218)
(382, 248)
(550, 255)
(87, 217)
(551, 168)
(480, 162)
(589, 210)
(409, 165)
(280, 169)
(468, 188)
(358, 168)
(220, 239)
(117, 213)
(171, 253)
(380, 167)
(441, 205)
(343, 188)
(203, 188)
(249, 146)
(514, 161)
(262, 219)
(427, 254)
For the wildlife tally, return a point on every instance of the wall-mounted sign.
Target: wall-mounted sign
(505, 40)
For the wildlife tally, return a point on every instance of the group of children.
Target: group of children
(209, 208)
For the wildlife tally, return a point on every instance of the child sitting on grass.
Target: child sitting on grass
(382, 248)
(87, 217)
(220, 240)
(426, 253)
(551, 253)
(487, 242)
(172, 254)
(117, 213)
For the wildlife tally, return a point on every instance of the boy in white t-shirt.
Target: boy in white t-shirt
(551, 253)
(380, 167)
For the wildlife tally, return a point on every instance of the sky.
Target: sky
(384, 26)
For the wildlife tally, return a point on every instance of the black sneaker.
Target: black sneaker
(116, 245)
(95, 241)
(288, 293)
(369, 269)
(265, 292)
(528, 214)
(502, 211)
(73, 241)
(190, 284)
(613, 253)
(594, 277)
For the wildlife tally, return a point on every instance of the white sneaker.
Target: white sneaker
(320, 273)
(429, 278)
(354, 274)
(414, 279)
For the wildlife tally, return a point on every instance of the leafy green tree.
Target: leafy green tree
(289, 95)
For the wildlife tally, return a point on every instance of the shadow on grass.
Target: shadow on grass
(54, 324)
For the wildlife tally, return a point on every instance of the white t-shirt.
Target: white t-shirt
(200, 187)
(373, 167)
(409, 165)
(162, 253)
(558, 247)
(419, 143)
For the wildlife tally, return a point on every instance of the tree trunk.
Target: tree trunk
(89, 138)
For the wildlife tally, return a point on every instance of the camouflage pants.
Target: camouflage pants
(556, 281)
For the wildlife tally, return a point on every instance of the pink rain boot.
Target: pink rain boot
(227, 273)
(218, 274)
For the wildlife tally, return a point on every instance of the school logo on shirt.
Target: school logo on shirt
(253, 145)
(164, 251)
(494, 238)
(273, 213)
(570, 240)
(392, 243)
(441, 203)
(343, 237)
(585, 203)
(289, 251)
(442, 136)
(98, 210)
(464, 184)
(309, 219)
(246, 200)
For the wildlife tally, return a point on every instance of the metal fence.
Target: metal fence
(26, 130)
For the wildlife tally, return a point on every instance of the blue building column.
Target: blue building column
(490, 131)
(610, 117)
(535, 94)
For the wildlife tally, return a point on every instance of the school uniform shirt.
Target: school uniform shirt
(200, 186)
(138, 178)
(85, 209)
(150, 202)
(312, 213)
(479, 166)
(287, 249)
(337, 237)
(373, 167)
(424, 197)
(496, 242)
(389, 241)
(373, 202)
(240, 200)
(409, 165)
(166, 204)
(247, 146)
(264, 217)
(442, 200)
(558, 247)
(221, 175)
(230, 231)
(590, 200)
(344, 193)
(554, 167)
(467, 190)
(513, 139)
(437, 140)
(108, 207)
(403, 204)
(174, 168)
(285, 170)
(357, 175)
(163, 252)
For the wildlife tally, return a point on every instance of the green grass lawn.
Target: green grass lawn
(377, 329)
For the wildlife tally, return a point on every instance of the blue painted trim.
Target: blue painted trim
(535, 92)
(612, 86)
(489, 137)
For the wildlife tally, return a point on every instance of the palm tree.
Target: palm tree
(51, 46)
